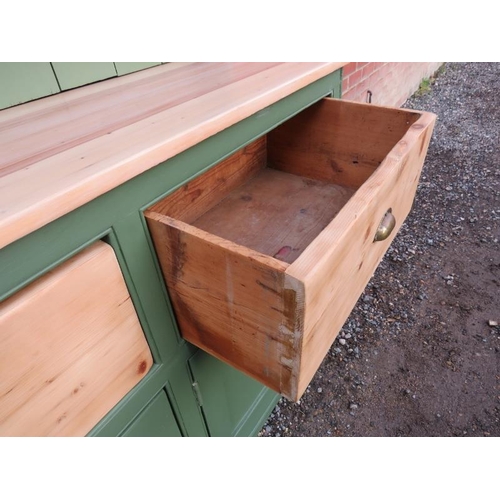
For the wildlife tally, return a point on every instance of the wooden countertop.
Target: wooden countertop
(61, 152)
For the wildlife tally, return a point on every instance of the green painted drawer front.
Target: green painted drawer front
(74, 74)
(229, 399)
(21, 82)
(156, 420)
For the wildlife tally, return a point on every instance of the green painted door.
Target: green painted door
(156, 420)
(232, 403)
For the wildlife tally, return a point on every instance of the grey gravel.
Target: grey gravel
(422, 325)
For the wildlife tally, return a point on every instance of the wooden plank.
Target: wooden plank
(229, 300)
(23, 81)
(124, 68)
(75, 74)
(339, 263)
(71, 347)
(281, 338)
(326, 138)
(60, 183)
(103, 108)
(207, 190)
(276, 213)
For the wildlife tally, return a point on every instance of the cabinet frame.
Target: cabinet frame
(117, 217)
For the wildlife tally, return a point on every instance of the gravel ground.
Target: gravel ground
(419, 355)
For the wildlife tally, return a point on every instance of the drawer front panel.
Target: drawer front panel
(71, 347)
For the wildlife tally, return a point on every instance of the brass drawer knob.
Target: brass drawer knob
(386, 226)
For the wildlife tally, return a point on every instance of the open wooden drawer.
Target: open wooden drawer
(266, 254)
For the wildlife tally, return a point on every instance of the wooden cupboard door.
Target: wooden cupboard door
(71, 347)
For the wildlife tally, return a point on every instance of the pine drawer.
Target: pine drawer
(71, 347)
(265, 254)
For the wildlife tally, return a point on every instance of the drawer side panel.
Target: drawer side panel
(341, 261)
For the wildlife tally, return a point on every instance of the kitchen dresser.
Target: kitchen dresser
(181, 245)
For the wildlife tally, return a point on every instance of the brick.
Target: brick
(355, 78)
(391, 83)
(345, 85)
(368, 70)
(349, 69)
(349, 95)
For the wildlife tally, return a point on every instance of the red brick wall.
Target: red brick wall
(390, 83)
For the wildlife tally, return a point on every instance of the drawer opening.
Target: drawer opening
(278, 193)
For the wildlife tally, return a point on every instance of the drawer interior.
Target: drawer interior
(276, 213)
(278, 193)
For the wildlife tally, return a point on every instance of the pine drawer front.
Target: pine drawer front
(265, 254)
(71, 347)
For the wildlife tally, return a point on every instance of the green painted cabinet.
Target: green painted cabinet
(75, 74)
(123, 68)
(21, 82)
(232, 403)
(187, 392)
(26, 81)
(156, 420)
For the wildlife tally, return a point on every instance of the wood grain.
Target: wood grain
(276, 213)
(337, 141)
(201, 194)
(230, 301)
(71, 347)
(51, 182)
(336, 267)
(52, 126)
(232, 294)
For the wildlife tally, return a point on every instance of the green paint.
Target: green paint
(337, 84)
(229, 398)
(23, 81)
(156, 420)
(123, 68)
(184, 403)
(233, 404)
(75, 74)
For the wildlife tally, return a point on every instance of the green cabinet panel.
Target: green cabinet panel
(24, 81)
(156, 420)
(123, 68)
(231, 401)
(74, 74)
